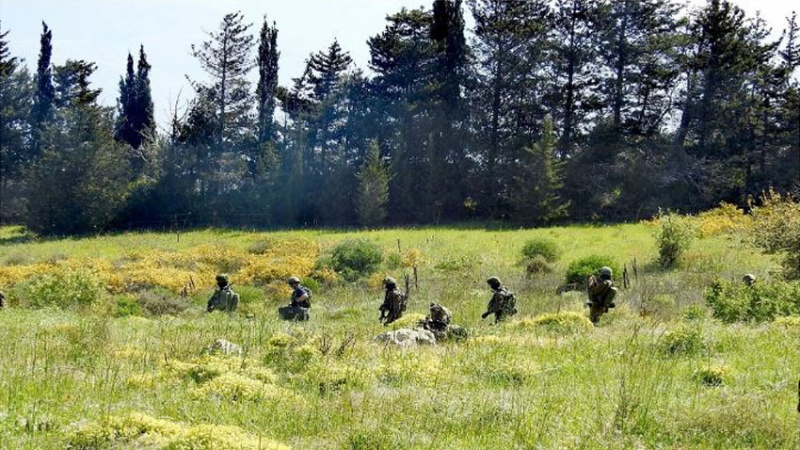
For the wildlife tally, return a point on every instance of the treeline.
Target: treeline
(546, 110)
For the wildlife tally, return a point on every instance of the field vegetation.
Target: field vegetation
(104, 338)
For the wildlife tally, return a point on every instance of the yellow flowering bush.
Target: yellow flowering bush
(567, 322)
(235, 387)
(726, 218)
(137, 430)
(409, 320)
(413, 258)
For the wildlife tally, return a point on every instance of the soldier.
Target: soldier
(601, 292)
(224, 299)
(394, 302)
(439, 322)
(300, 302)
(503, 303)
(749, 279)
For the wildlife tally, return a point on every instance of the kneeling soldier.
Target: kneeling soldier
(224, 299)
(300, 302)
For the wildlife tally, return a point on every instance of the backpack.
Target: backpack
(403, 300)
(307, 291)
(509, 303)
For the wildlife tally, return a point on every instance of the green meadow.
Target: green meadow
(127, 368)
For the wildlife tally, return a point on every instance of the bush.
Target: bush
(673, 236)
(711, 375)
(541, 247)
(355, 258)
(159, 302)
(578, 271)
(776, 229)
(537, 265)
(64, 289)
(127, 305)
(684, 339)
(761, 302)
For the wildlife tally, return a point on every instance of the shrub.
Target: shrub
(711, 375)
(579, 270)
(763, 301)
(159, 302)
(673, 236)
(127, 305)
(776, 229)
(568, 322)
(64, 289)
(538, 264)
(684, 339)
(541, 247)
(457, 263)
(355, 258)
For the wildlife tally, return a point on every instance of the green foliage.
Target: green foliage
(683, 339)
(580, 270)
(761, 302)
(64, 289)
(373, 189)
(159, 302)
(711, 375)
(545, 248)
(673, 235)
(127, 305)
(776, 229)
(537, 265)
(355, 258)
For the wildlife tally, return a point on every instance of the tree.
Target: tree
(373, 189)
(72, 84)
(267, 89)
(510, 40)
(81, 180)
(135, 124)
(225, 56)
(45, 94)
(16, 91)
(537, 197)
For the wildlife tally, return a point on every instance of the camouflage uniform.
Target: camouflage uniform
(601, 292)
(300, 302)
(394, 302)
(224, 299)
(439, 323)
(502, 302)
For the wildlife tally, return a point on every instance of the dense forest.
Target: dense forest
(542, 111)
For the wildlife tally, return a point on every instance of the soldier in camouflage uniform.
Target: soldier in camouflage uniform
(601, 292)
(502, 303)
(438, 322)
(224, 299)
(394, 302)
(300, 302)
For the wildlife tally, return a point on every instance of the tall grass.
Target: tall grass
(542, 380)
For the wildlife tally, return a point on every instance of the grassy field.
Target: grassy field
(659, 371)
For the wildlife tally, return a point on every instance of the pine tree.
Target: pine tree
(536, 197)
(226, 58)
(267, 81)
(144, 123)
(44, 99)
(71, 82)
(373, 189)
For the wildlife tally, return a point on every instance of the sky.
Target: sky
(104, 31)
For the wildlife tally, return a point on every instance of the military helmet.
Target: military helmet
(749, 279)
(223, 277)
(493, 281)
(293, 280)
(605, 271)
(389, 281)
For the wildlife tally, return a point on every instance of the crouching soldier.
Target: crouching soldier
(300, 302)
(224, 299)
(601, 292)
(394, 302)
(439, 323)
(502, 304)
